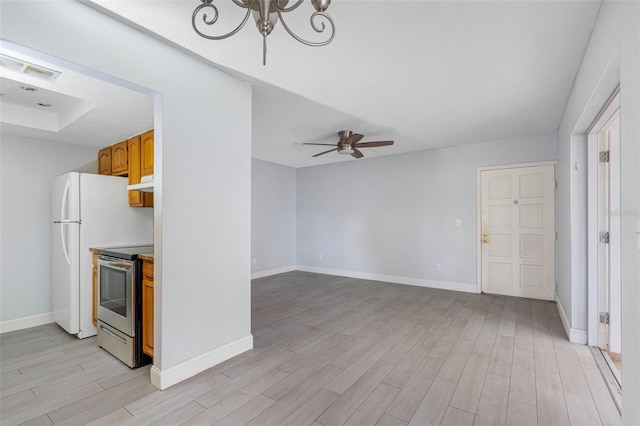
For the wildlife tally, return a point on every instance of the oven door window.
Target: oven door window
(113, 290)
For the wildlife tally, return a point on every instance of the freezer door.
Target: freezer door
(65, 198)
(65, 205)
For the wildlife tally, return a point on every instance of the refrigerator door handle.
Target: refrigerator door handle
(65, 195)
(63, 238)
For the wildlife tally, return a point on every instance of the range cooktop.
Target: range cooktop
(129, 253)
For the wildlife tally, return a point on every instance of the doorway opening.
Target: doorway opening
(604, 248)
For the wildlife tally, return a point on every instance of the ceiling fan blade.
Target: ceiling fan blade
(326, 152)
(374, 144)
(321, 144)
(354, 138)
(357, 154)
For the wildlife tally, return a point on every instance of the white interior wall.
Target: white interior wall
(26, 169)
(273, 217)
(202, 173)
(615, 35)
(396, 216)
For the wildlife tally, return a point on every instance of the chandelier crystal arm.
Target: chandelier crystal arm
(214, 19)
(317, 28)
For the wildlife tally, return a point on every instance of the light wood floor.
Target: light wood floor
(331, 351)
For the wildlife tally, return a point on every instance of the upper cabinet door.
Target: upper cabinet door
(135, 197)
(147, 153)
(119, 158)
(104, 161)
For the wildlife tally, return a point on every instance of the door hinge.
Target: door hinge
(604, 237)
(604, 317)
(604, 156)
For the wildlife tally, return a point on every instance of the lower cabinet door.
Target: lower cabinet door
(147, 316)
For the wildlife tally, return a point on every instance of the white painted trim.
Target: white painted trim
(419, 282)
(596, 299)
(164, 378)
(608, 83)
(592, 240)
(575, 335)
(479, 212)
(269, 272)
(517, 165)
(26, 322)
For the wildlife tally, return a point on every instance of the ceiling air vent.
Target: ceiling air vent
(28, 68)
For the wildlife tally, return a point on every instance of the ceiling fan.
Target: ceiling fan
(349, 144)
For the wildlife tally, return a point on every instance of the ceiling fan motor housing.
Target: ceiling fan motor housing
(344, 134)
(345, 148)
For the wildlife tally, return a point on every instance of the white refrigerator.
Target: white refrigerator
(88, 210)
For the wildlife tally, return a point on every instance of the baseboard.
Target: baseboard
(269, 272)
(575, 335)
(26, 322)
(444, 285)
(164, 378)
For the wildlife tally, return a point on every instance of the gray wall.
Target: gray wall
(273, 216)
(202, 170)
(396, 215)
(26, 169)
(617, 32)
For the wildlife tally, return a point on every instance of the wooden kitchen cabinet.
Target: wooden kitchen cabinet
(119, 158)
(147, 307)
(136, 151)
(104, 161)
(94, 308)
(146, 163)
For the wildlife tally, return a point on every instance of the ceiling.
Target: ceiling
(74, 108)
(426, 74)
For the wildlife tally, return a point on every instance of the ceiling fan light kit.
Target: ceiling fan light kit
(266, 14)
(349, 144)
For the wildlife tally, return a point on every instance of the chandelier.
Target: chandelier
(266, 14)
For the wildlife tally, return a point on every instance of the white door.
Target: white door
(518, 231)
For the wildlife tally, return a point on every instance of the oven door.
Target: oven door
(115, 293)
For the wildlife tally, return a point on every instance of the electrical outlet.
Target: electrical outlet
(438, 267)
(458, 223)
(253, 260)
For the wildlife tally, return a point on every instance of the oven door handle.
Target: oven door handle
(121, 266)
(112, 334)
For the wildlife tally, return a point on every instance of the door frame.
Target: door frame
(594, 290)
(479, 170)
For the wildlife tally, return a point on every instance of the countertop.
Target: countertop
(146, 256)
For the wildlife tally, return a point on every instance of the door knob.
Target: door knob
(485, 238)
